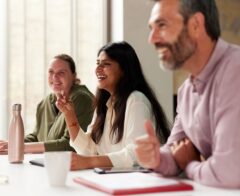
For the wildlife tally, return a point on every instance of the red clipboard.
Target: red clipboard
(131, 183)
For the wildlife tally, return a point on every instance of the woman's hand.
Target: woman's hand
(79, 162)
(64, 104)
(67, 108)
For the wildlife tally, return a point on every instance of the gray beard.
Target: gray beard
(167, 66)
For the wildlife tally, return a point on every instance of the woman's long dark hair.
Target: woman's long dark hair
(132, 79)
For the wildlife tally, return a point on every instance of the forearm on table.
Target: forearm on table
(36, 147)
(89, 162)
(99, 161)
(212, 172)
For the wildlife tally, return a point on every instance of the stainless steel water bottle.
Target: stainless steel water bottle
(16, 136)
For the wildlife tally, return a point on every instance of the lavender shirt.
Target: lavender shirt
(209, 115)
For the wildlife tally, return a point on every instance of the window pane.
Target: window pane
(89, 39)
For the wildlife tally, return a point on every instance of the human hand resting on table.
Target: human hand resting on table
(184, 152)
(3, 146)
(81, 162)
(148, 148)
(78, 162)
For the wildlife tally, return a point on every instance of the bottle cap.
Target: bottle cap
(17, 107)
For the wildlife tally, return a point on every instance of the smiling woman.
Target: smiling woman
(124, 100)
(108, 73)
(36, 31)
(50, 133)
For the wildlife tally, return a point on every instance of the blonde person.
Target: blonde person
(50, 132)
(123, 101)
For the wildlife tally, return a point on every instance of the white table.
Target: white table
(29, 180)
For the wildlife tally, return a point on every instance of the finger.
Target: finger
(65, 97)
(61, 96)
(172, 148)
(149, 137)
(181, 143)
(149, 128)
(186, 140)
(3, 148)
(62, 93)
(188, 143)
(58, 95)
(3, 145)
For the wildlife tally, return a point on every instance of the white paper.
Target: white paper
(129, 180)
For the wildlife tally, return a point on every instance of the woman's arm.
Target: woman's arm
(79, 140)
(66, 107)
(34, 147)
(88, 162)
(81, 102)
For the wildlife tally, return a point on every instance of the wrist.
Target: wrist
(69, 114)
(71, 119)
(34, 147)
(73, 124)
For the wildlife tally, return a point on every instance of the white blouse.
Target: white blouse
(121, 154)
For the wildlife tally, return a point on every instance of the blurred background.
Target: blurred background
(32, 32)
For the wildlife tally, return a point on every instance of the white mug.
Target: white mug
(57, 165)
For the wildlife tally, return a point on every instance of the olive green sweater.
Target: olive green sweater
(50, 123)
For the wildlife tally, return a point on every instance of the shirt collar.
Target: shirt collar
(199, 82)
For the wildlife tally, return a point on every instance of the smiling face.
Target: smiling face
(60, 77)
(108, 73)
(170, 35)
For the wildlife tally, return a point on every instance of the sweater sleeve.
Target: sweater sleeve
(61, 144)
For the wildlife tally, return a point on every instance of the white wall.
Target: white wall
(130, 23)
(3, 53)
